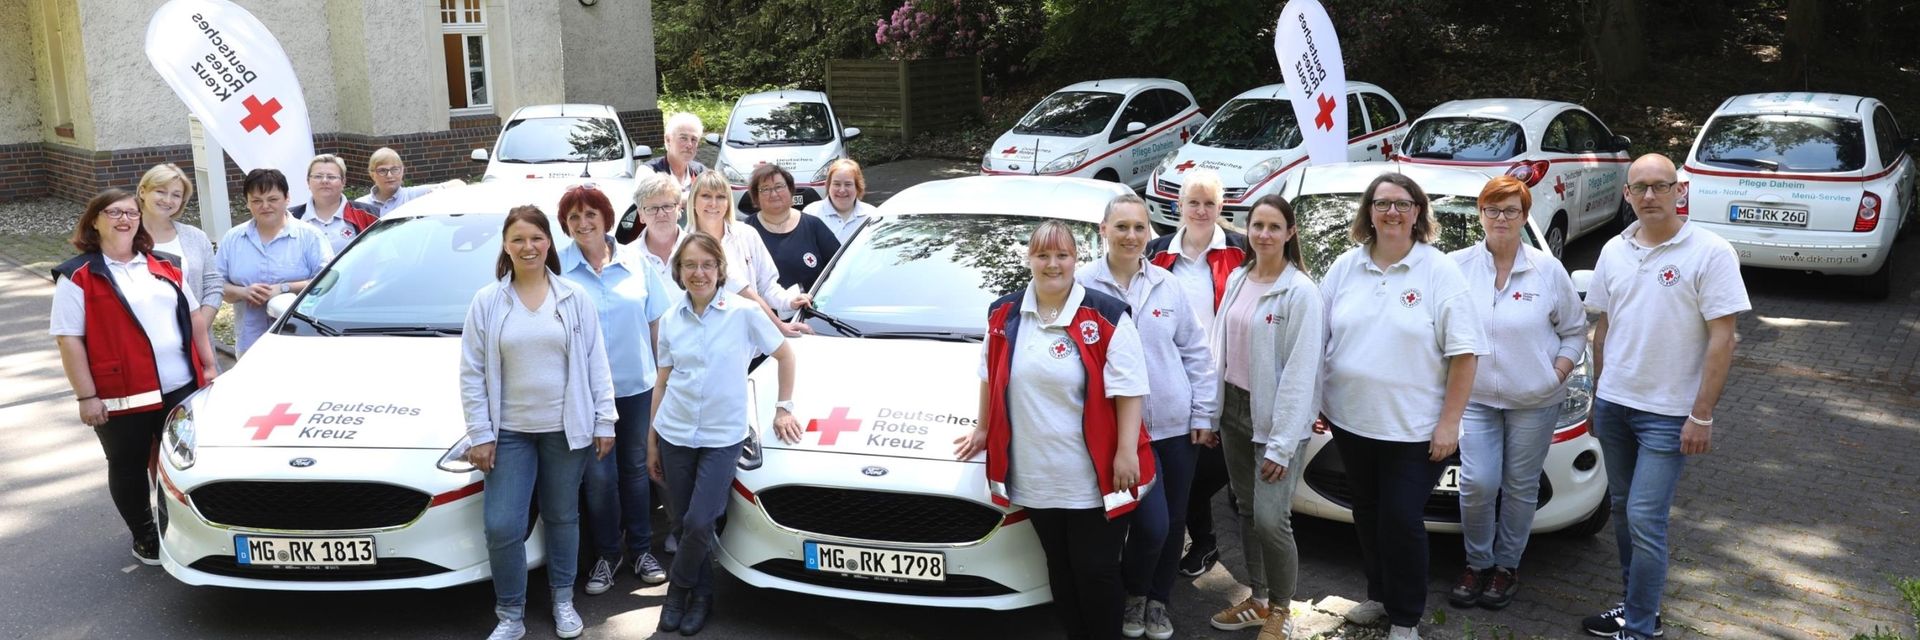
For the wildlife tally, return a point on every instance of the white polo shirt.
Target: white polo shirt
(706, 394)
(335, 229)
(1046, 398)
(1390, 333)
(152, 302)
(1657, 301)
(1196, 275)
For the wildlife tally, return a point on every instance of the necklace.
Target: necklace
(1048, 316)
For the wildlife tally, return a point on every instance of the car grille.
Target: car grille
(385, 569)
(879, 516)
(955, 586)
(309, 506)
(1327, 475)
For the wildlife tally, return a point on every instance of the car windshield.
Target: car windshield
(930, 275)
(1474, 139)
(1815, 144)
(1263, 124)
(550, 140)
(1074, 114)
(779, 123)
(407, 275)
(1325, 218)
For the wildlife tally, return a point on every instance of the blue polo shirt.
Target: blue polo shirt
(297, 253)
(706, 398)
(628, 295)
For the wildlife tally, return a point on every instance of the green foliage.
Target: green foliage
(1909, 589)
(703, 46)
(1217, 47)
(712, 108)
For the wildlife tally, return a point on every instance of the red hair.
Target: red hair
(1505, 187)
(587, 195)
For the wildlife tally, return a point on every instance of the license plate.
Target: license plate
(263, 551)
(1449, 480)
(886, 564)
(1768, 215)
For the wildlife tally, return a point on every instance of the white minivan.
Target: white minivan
(1115, 130)
(575, 141)
(792, 129)
(1253, 141)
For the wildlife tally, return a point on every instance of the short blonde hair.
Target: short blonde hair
(709, 180)
(1207, 181)
(381, 157)
(859, 177)
(328, 158)
(1052, 234)
(158, 177)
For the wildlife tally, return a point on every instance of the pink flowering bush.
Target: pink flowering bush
(935, 29)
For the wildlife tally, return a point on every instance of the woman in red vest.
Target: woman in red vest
(124, 325)
(1062, 376)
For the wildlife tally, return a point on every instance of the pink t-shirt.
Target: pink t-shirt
(1238, 321)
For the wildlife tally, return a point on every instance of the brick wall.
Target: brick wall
(646, 126)
(23, 172)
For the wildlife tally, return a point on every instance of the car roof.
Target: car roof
(1126, 85)
(1800, 102)
(784, 95)
(1353, 177)
(1522, 110)
(1280, 91)
(499, 196)
(1077, 199)
(559, 110)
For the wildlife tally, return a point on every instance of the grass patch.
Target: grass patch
(711, 108)
(1909, 589)
(39, 252)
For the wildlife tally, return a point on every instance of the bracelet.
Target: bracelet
(1703, 423)
(85, 398)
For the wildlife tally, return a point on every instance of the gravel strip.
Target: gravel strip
(54, 216)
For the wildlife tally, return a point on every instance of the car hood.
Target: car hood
(879, 397)
(510, 170)
(1231, 164)
(355, 392)
(1026, 153)
(803, 161)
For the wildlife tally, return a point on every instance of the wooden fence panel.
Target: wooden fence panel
(905, 97)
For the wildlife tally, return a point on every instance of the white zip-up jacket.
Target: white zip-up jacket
(587, 406)
(1534, 319)
(1283, 372)
(1185, 389)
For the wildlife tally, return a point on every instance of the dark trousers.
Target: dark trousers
(1153, 542)
(1209, 476)
(1390, 482)
(130, 442)
(1083, 568)
(699, 480)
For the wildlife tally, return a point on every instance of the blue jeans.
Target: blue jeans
(698, 479)
(1152, 554)
(1501, 452)
(619, 493)
(1643, 458)
(522, 463)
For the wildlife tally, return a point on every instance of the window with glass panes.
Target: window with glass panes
(463, 35)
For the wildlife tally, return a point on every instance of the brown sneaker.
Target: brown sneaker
(1278, 626)
(1246, 615)
(1466, 592)
(1501, 583)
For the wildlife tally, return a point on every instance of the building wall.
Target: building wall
(19, 98)
(609, 54)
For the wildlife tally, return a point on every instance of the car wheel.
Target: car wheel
(1557, 235)
(1595, 522)
(1108, 175)
(1877, 285)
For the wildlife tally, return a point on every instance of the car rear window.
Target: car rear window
(1076, 114)
(1474, 139)
(779, 123)
(551, 140)
(1267, 125)
(1780, 142)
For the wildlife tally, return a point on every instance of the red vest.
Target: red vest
(1093, 327)
(358, 216)
(126, 376)
(1220, 261)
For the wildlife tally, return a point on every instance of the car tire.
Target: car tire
(1108, 175)
(1877, 285)
(1557, 235)
(1595, 523)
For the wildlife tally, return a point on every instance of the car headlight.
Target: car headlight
(180, 439)
(455, 459)
(726, 171)
(1167, 162)
(1264, 169)
(821, 175)
(1065, 162)
(1579, 402)
(751, 455)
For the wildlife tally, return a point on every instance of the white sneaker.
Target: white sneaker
(508, 630)
(1133, 622)
(1367, 614)
(566, 621)
(1403, 633)
(1159, 626)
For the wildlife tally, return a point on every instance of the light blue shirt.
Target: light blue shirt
(706, 393)
(628, 295)
(297, 253)
(400, 197)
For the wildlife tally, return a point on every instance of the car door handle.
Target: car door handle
(1373, 147)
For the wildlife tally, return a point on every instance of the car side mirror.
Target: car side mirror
(642, 151)
(1134, 128)
(849, 133)
(278, 305)
(713, 139)
(1622, 143)
(1582, 279)
(478, 155)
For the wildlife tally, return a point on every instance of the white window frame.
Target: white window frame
(465, 29)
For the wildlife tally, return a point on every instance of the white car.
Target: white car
(1116, 130)
(319, 462)
(582, 141)
(1254, 140)
(1575, 166)
(871, 504)
(794, 130)
(1573, 483)
(1815, 182)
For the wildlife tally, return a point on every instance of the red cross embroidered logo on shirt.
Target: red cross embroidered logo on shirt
(1325, 119)
(260, 115)
(1516, 295)
(832, 426)
(1272, 320)
(1410, 297)
(263, 425)
(1089, 332)
(1668, 275)
(1060, 349)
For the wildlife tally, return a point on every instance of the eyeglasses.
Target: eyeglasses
(390, 171)
(321, 177)
(1660, 188)
(1508, 213)
(1402, 206)
(123, 214)
(781, 188)
(659, 210)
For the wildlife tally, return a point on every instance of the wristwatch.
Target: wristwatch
(285, 289)
(784, 404)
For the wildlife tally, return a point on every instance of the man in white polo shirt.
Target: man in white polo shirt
(1667, 294)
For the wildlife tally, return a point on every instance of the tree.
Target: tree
(1804, 26)
(1616, 37)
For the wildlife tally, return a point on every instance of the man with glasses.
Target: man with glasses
(338, 220)
(682, 143)
(1666, 294)
(389, 190)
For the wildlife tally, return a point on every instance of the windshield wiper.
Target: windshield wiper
(743, 143)
(1436, 155)
(1769, 165)
(837, 324)
(403, 331)
(319, 327)
(950, 336)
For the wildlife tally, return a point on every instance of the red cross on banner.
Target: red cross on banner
(1324, 121)
(260, 116)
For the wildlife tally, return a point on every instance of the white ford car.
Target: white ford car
(561, 141)
(871, 504)
(1573, 483)
(319, 462)
(1815, 182)
(792, 129)
(1575, 166)
(1116, 130)
(1253, 141)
